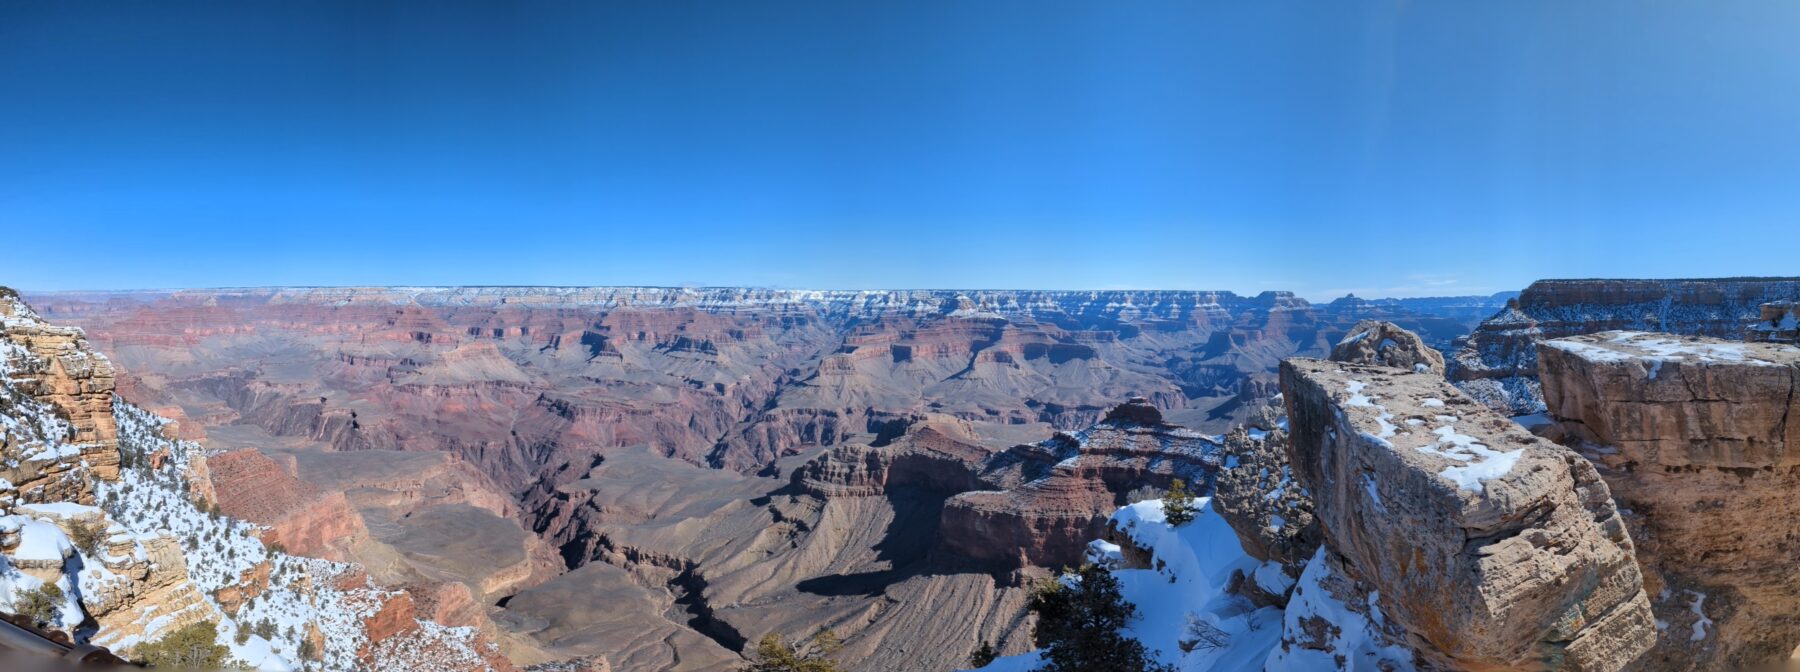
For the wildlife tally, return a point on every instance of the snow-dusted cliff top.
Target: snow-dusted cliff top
(1159, 303)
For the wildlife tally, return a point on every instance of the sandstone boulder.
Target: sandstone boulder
(1387, 344)
(1491, 548)
(1696, 439)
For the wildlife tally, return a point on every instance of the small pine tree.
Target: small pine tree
(191, 647)
(773, 654)
(88, 535)
(983, 655)
(41, 604)
(1178, 505)
(1078, 625)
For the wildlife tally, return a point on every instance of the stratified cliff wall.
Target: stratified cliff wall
(1699, 440)
(1498, 363)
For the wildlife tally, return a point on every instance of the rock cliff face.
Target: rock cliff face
(55, 367)
(1491, 548)
(1255, 494)
(1498, 363)
(1779, 322)
(1698, 440)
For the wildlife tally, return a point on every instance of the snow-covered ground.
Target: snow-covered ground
(1193, 569)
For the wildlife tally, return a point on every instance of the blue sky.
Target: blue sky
(1381, 148)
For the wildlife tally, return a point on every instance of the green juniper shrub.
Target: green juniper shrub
(1079, 619)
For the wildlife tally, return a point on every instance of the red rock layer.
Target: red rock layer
(302, 518)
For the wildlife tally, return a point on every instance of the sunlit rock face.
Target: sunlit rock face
(1699, 439)
(55, 366)
(1492, 548)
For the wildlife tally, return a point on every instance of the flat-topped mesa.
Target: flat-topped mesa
(1492, 548)
(297, 515)
(1699, 440)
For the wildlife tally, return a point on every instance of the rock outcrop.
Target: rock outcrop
(1498, 363)
(1054, 497)
(1699, 440)
(1387, 344)
(1491, 548)
(939, 454)
(54, 366)
(1257, 496)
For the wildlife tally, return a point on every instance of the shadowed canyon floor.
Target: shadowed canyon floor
(660, 475)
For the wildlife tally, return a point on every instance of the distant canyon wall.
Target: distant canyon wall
(540, 377)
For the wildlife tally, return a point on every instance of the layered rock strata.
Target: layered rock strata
(1057, 495)
(1491, 548)
(1699, 440)
(301, 518)
(54, 365)
(646, 430)
(1498, 362)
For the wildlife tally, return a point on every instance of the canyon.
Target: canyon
(656, 476)
(111, 524)
(608, 478)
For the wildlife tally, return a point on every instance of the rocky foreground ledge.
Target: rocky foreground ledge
(1699, 439)
(1489, 547)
